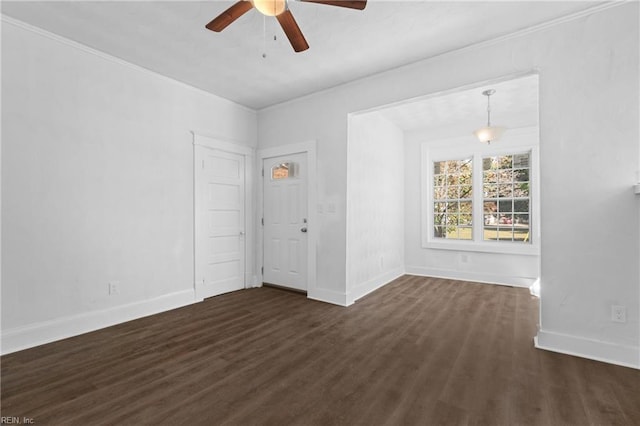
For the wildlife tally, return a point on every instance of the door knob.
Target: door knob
(303, 229)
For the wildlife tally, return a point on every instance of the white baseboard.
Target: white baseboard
(372, 285)
(328, 296)
(525, 282)
(20, 338)
(627, 356)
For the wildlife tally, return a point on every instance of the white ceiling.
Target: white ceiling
(170, 38)
(513, 105)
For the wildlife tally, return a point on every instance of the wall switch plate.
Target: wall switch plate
(618, 313)
(114, 287)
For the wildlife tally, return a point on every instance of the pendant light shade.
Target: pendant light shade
(489, 133)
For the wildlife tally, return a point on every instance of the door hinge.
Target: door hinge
(262, 221)
(262, 270)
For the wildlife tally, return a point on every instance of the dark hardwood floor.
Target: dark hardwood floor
(420, 351)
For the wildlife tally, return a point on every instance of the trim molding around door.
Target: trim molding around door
(200, 140)
(309, 148)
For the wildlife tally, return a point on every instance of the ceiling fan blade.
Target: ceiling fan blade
(351, 4)
(223, 20)
(292, 30)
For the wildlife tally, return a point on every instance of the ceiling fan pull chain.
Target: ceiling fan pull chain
(264, 36)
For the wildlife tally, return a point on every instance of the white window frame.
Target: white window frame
(460, 148)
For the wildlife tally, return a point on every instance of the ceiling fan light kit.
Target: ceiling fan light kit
(280, 10)
(270, 7)
(489, 133)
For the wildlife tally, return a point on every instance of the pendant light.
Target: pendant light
(489, 133)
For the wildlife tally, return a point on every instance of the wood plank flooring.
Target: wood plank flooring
(420, 351)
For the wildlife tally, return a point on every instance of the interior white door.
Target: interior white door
(220, 239)
(285, 221)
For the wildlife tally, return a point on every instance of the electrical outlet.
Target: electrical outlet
(114, 287)
(618, 313)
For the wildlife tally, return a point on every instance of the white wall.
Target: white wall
(509, 269)
(375, 204)
(589, 145)
(97, 186)
(589, 118)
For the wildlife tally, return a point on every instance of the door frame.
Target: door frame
(308, 148)
(201, 144)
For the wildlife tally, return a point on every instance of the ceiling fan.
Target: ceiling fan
(280, 10)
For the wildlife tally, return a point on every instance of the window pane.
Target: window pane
(521, 206)
(505, 206)
(439, 207)
(280, 171)
(505, 190)
(521, 160)
(505, 234)
(521, 234)
(465, 219)
(490, 191)
(438, 231)
(490, 177)
(487, 163)
(521, 219)
(465, 233)
(438, 180)
(439, 167)
(452, 207)
(452, 192)
(521, 190)
(490, 206)
(452, 232)
(466, 191)
(491, 234)
(504, 162)
(505, 176)
(466, 167)
(521, 175)
(506, 219)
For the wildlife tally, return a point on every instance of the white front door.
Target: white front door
(285, 221)
(220, 211)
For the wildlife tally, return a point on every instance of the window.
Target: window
(282, 171)
(480, 201)
(505, 196)
(452, 202)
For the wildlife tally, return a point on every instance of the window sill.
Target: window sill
(486, 247)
